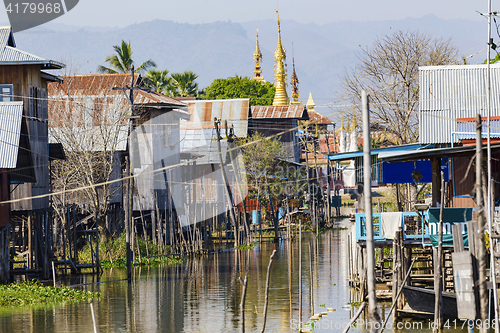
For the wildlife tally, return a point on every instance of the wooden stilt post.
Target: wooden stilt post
(438, 269)
(372, 300)
(30, 246)
(483, 300)
(128, 218)
(75, 247)
(300, 272)
(311, 280)
(396, 267)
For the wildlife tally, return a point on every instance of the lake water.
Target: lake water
(203, 294)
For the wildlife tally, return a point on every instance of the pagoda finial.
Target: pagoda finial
(342, 126)
(354, 124)
(257, 57)
(295, 83)
(310, 104)
(280, 96)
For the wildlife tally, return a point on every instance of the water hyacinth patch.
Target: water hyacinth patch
(33, 292)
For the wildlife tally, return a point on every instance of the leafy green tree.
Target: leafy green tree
(183, 84)
(121, 61)
(158, 80)
(268, 173)
(260, 93)
(493, 60)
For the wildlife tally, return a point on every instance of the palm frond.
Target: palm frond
(105, 70)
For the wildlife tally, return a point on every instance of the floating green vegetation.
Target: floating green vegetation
(355, 304)
(311, 324)
(113, 252)
(33, 292)
(122, 262)
(246, 247)
(322, 305)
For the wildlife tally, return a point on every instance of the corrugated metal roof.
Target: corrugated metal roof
(381, 151)
(12, 55)
(6, 36)
(198, 132)
(10, 130)
(91, 85)
(235, 111)
(451, 92)
(295, 111)
(400, 156)
(151, 97)
(466, 128)
(101, 85)
(317, 118)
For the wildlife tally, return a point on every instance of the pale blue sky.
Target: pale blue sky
(121, 13)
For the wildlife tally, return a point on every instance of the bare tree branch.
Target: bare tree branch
(388, 71)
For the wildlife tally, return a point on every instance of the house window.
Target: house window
(6, 92)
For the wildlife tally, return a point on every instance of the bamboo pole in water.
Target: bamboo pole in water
(438, 284)
(267, 290)
(397, 295)
(290, 277)
(311, 283)
(93, 317)
(483, 301)
(242, 304)
(300, 272)
(353, 319)
(372, 300)
(143, 230)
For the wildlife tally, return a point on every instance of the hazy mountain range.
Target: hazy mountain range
(217, 50)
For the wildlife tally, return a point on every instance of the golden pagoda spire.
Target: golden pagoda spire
(295, 84)
(342, 126)
(354, 124)
(310, 104)
(257, 57)
(280, 96)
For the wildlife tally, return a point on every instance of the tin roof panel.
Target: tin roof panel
(10, 131)
(451, 92)
(294, 111)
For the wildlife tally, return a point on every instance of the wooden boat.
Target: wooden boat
(423, 300)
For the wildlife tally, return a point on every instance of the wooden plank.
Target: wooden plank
(464, 285)
(458, 242)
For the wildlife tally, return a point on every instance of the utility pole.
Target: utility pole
(128, 200)
(226, 183)
(373, 316)
(490, 198)
(308, 180)
(231, 146)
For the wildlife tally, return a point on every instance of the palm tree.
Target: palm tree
(183, 84)
(158, 80)
(121, 61)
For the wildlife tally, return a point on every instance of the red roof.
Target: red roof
(101, 85)
(317, 118)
